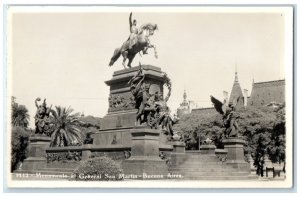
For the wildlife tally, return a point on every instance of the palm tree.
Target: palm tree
(65, 130)
(19, 115)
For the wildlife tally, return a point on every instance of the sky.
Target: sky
(63, 56)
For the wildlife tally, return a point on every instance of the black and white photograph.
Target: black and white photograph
(152, 97)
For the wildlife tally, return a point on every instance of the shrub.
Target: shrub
(98, 169)
(19, 114)
(19, 143)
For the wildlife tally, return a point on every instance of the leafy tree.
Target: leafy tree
(263, 128)
(196, 127)
(277, 147)
(90, 121)
(20, 133)
(90, 124)
(19, 144)
(19, 115)
(66, 127)
(256, 125)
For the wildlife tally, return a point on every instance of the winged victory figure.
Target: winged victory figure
(230, 116)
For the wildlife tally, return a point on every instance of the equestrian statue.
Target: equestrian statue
(137, 42)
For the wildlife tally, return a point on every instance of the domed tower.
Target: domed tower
(184, 106)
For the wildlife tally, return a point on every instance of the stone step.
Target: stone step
(202, 163)
(199, 167)
(191, 170)
(207, 164)
(196, 153)
(207, 178)
(203, 169)
(185, 169)
(200, 156)
(199, 174)
(206, 159)
(203, 160)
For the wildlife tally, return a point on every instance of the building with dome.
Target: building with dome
(184, 106)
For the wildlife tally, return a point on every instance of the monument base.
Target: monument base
(178, 147)
(145, 162)
(235, 155)
(34, 163)
(37, 153)
(178, 155)
(145, 167)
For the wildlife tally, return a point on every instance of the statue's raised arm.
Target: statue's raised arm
(130, 21)
(36, 100)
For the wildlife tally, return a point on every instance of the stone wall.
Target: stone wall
(206, 111)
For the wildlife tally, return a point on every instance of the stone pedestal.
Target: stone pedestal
(37, 153)
(251, 163)
(145, 158)
(178, 155)
(178, 147)
(235, 155)
(86, 152)
(117, 124)
(208, 149)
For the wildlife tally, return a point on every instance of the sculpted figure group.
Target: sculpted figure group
(230, 117)
(152, 108)
(42, 118)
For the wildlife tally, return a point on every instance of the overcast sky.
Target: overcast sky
(64, 56)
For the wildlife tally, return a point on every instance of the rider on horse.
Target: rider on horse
(133, 31)
(138, 41)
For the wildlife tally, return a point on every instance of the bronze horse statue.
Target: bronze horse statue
(141, 43)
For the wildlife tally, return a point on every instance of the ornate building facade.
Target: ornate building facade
(264, 93)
